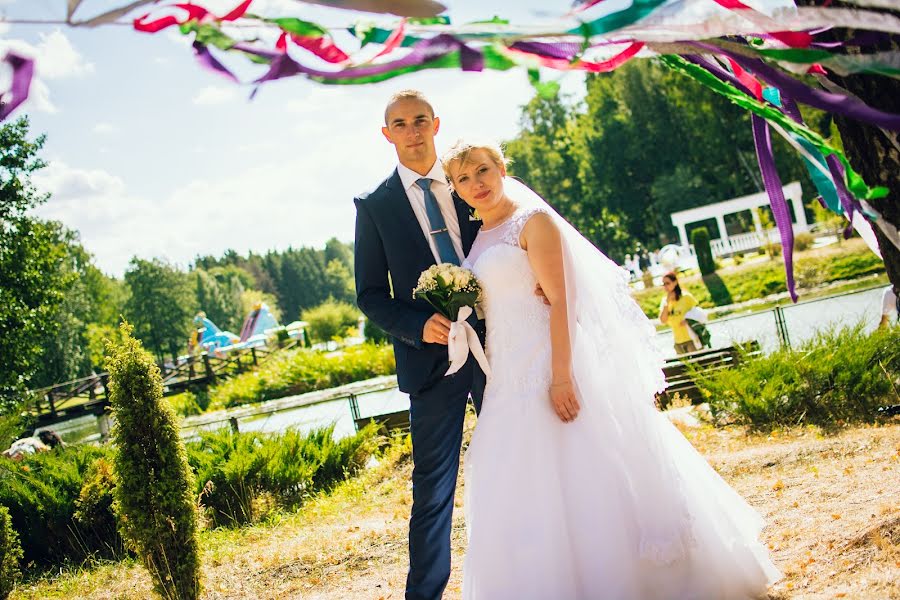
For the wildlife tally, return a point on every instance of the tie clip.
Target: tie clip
(434, 231)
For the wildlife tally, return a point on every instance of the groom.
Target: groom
(408, 223)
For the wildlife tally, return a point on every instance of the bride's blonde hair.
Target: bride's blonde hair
(460, 151)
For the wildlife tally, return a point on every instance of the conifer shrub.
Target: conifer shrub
(42, 493)
(840, 376)
(235, 470)
(154, 495)
(10, 554)
(700, 240)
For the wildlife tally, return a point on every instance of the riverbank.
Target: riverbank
(830, 502)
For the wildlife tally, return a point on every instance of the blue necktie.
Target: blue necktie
(439, 232)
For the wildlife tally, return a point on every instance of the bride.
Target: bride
(576, 487)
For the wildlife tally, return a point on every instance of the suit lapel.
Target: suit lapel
(401, 207)
(467, 229)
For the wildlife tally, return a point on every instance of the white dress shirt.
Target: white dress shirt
(441, 191)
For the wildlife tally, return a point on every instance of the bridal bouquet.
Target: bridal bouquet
(453, 292)
(448, 288)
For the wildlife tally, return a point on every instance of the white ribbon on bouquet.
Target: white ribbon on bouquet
(463, 338)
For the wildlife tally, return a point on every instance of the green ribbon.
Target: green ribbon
(855, 183)
(623, 18)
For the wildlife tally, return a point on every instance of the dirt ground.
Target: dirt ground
(832, 504)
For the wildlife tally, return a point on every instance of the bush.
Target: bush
(42, 494)
(185, 404)
(329, 320)
(94, 509)
(840, 376)
(762, 279)
(304, 371)
(376, 334)
(700, 240)
(239, 470)
(10, 555)
(154, 495)
(803, 241)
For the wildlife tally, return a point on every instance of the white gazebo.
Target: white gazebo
(726, 244)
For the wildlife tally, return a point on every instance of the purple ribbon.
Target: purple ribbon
(848, 202)
(557, 50)
(827, 101)
(210, 63)
(763, 141)
(422, 52)
(23, 72)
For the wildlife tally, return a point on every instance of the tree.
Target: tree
(154, 495)
(31, 284)
(873, 153)
(161, 306)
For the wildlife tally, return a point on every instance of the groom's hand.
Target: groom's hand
(436, 330)
(539, 292)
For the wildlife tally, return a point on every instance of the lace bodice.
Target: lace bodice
(518, 322)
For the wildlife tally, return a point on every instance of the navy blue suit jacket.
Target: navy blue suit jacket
(390, 253)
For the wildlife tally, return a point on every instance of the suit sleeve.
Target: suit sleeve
(373, 290)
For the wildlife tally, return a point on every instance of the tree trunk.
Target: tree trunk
(874, 153)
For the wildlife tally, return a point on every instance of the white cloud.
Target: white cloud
(212, 94)
(105, 128)
(55, 58)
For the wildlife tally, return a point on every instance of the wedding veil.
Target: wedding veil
(608, 328)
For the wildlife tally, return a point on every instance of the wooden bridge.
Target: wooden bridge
(90, 395)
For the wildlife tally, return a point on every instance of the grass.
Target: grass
(813, 270)
(829, 500)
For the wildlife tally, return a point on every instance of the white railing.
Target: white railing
(742, 242)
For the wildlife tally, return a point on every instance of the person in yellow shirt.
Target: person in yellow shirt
(675, 305)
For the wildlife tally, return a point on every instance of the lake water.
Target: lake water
(802, 319)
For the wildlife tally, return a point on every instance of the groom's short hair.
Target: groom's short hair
(407, 95)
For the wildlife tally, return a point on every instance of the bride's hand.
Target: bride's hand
(562, 395)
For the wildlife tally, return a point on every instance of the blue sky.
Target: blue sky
(152, 156)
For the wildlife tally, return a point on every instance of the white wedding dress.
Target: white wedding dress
(615, 505)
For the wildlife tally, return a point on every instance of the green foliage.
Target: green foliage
(10, 554)
(840, 376)
(765, 278)
(700, 240)
(154, 495)
(235, 470)
(185, 404)
(94, 508)
(162, 305)
(304, 371)
(803, 241)
(31, 263)
(376, 334)
(329, 320)
(42, 493)
(220, 298)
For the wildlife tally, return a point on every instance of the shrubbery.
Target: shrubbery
(237, 471)
(154, 493)
(700, 240)
(304, 371)
(840, 376)
(330, 320)
(43, 493)
(10, 554)
(762, 279)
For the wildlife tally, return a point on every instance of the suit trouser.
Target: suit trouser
(436, 424)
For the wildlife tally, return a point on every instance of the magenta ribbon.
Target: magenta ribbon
(210, 63)
(763, 141)
(827, 101)
(421, 53)
(23, 72)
